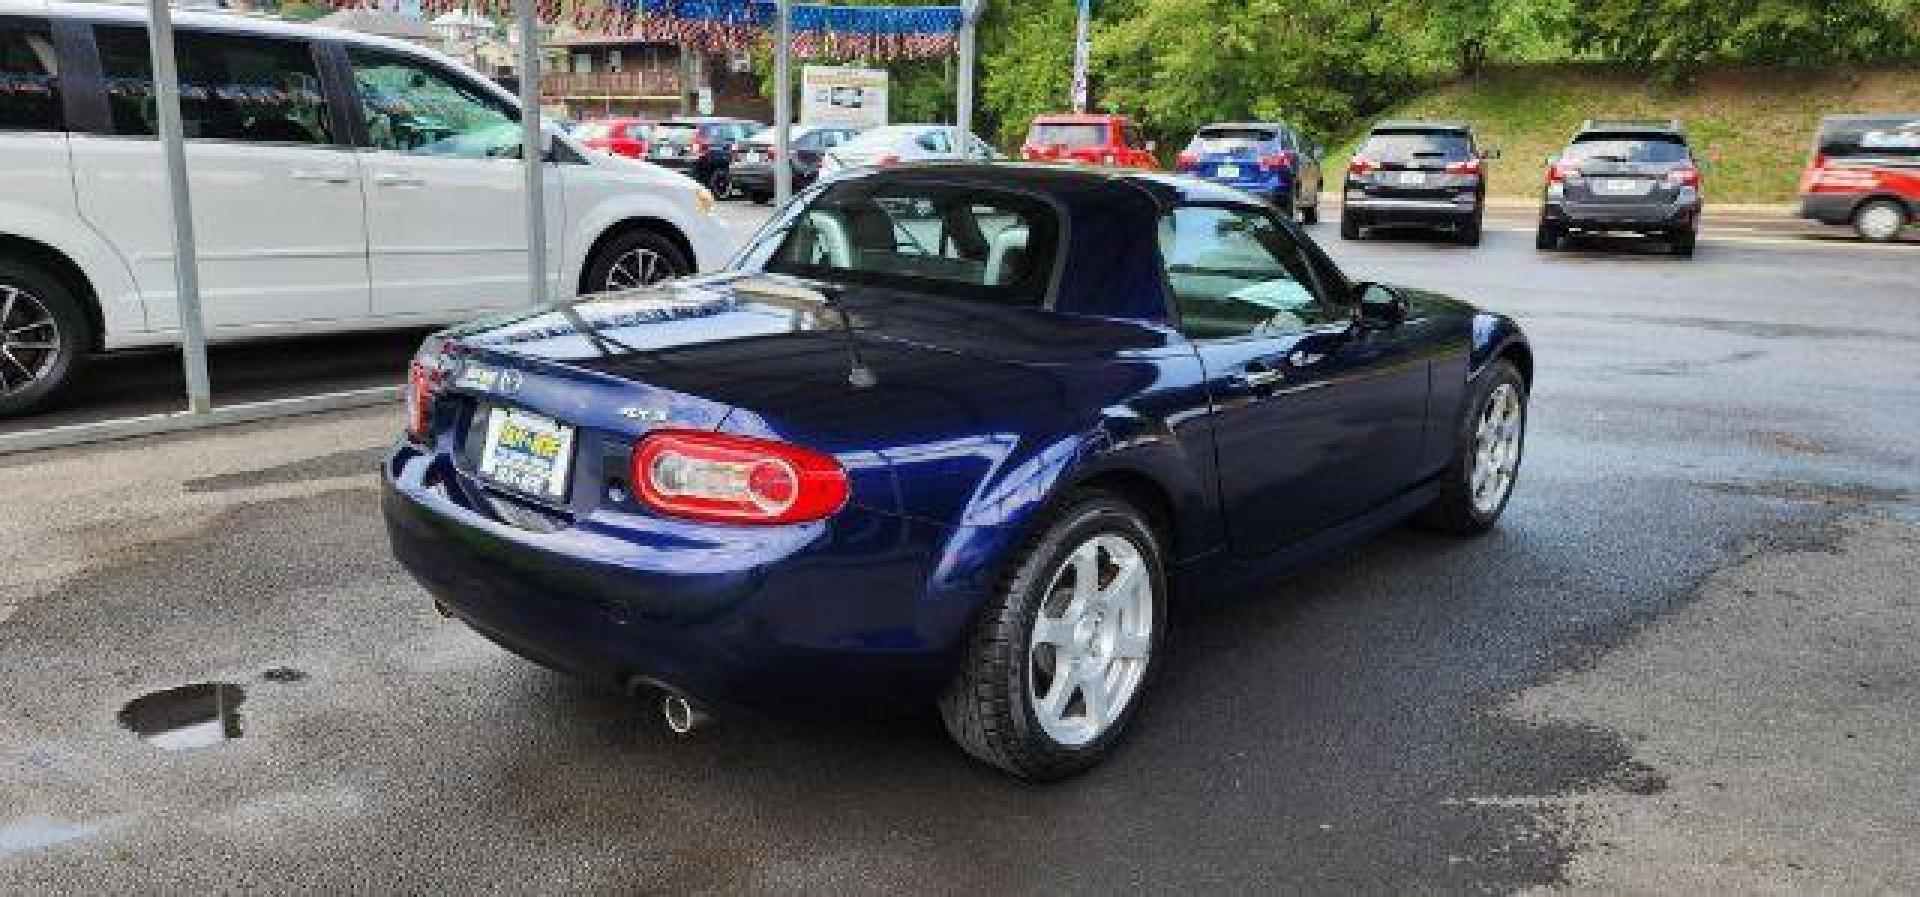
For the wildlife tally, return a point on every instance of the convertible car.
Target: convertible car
(946, 435)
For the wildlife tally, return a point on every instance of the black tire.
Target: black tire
(1454, 509)
(1311, 214)
(1290, 206)
(720, 183)
(1469, 234)
(1865, 220)
(1548, 236)
(1349, 227)
(601, 268)
(31, 377)
(1683, 243)
(988, 708)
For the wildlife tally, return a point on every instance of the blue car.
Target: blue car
(1269, 159)
(946, 434)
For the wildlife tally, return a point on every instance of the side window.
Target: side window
(256, 90)
(1235, 272)
(29, 80)
(416, 108)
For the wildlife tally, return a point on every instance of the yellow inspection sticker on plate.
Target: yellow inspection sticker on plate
(527, 452)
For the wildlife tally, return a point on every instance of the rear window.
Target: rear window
(970, 243)
(1897, 137)
(675, 133)
(29, 82)
(1228, 140)
(1072, 135)
(1636, 149)
(1453, 146)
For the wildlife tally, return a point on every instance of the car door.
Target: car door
(275, 187)
(1314, 421)
(446, 200)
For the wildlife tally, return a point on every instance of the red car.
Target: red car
(1093, 139)
(618, 136)
(1865, 172)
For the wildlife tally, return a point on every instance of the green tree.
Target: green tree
(1678, 37)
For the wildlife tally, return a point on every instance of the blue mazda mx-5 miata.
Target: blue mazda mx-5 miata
(948, 434)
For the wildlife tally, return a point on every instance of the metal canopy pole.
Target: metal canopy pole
(963, 89)
(532, 152)
(783, 101)
(186, 263)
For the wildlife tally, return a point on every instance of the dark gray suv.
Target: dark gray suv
(1416, 173)
(1627, 176)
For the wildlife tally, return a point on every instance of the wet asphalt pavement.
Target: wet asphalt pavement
(1353, 730)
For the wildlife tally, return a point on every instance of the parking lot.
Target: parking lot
(1684, 660)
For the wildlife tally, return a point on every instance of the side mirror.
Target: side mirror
(1381, 307)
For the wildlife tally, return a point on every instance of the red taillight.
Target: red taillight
(1360, 165)
(425, 375)
(1276, 161)
(1186, 161)
(1556, 174)
(1468, 166)
(735, 479)
(1684, 177)
(886, 160)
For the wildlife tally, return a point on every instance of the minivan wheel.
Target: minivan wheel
(43, 337)
(1879, 220)
(635, 258)
(1060, 660)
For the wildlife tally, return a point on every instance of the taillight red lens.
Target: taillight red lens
(1684, 177)
(735, 479)
(426, 373)
(886, 160)
(1275, 161)
(1556, 174)
(1360, 165)
(1187, 161)
(1468, 166)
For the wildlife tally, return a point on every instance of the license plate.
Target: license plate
(753, 157)
(668, 152)
(1412, 178)
(1227, 171)
(1623, 185)
(527, 452)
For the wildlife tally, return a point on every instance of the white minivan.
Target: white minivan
(339, 182)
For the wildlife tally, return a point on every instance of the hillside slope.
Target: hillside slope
(1754, 127)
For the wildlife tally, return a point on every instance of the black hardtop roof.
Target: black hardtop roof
(1069, 183)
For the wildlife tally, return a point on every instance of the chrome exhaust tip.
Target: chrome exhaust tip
(681, 716)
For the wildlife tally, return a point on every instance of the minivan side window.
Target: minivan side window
(29, 80)
(413, 107)
(249, 89)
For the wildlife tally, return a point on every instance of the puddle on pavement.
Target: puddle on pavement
(191, 716)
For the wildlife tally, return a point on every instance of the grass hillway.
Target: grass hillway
(1753, 127)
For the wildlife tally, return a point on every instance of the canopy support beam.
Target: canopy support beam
(533, 156)
(173, 154)
(783, 102)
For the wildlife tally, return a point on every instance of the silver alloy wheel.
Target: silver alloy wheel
(1091, 640)
(1881, 221)
(1496, 448)
(637, 268)
(29, 339)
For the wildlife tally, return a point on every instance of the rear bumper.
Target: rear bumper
(1623, 216)
(822, 619)
(759, 178)
(1276, 188)
(1381, 210)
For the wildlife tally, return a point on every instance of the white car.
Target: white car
(339, 182)
(894, 144)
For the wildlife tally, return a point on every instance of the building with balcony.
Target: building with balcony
(596, 76)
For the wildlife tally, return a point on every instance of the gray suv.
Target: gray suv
(1629, 176)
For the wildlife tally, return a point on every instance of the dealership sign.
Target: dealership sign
(834, 95)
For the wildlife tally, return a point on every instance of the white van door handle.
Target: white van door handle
(330, 176)
(394, 179)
